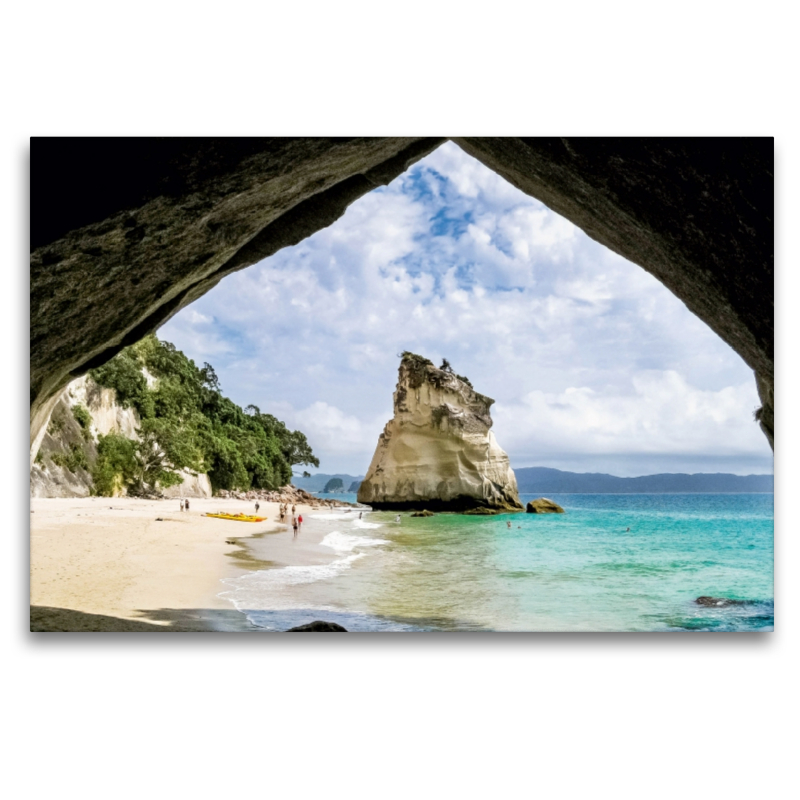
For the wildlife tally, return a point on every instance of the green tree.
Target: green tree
(115, 466)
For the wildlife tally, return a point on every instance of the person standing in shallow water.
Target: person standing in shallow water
(294, 524)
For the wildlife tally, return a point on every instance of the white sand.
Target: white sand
(111, 558)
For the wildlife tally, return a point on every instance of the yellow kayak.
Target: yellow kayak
(237, 517)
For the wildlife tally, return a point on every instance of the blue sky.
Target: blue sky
(593, 364)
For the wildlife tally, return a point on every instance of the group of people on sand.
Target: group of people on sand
(184, 504)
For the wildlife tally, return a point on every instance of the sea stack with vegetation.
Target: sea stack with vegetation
(438, 452)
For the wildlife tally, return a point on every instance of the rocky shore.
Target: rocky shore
(286, 494)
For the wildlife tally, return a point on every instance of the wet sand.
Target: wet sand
(119, 564)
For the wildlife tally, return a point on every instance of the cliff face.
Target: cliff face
(68, 447)
(438, 451)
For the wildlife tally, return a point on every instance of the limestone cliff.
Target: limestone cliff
(438, 451)
(67, 448)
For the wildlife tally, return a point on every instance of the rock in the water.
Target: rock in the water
(717, 602)
(438, 451)
(423, 513)
(543, 506)
(318, 626)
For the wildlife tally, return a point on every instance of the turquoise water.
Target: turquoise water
(578, 571)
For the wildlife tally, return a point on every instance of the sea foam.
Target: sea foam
(346, 543)
(265, 588)
(360, 523)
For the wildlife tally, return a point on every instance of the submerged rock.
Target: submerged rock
(318, 626)
(718, 602)
(438, 451)
(543, 506)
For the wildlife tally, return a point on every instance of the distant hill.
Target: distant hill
(317, 483)
(540, 480)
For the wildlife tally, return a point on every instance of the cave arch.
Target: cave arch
(126, 232)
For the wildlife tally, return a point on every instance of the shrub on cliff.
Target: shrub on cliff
(84, 419)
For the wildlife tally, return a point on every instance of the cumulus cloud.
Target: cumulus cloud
(452, 261)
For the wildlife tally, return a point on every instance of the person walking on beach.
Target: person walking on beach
(294, 524)
(300, 521)
(257, 506)
(181, 504)
(187, 503)
(360, 514)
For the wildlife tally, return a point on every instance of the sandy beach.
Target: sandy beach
(121, 564)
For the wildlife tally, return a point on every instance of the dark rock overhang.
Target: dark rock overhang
(126, 232)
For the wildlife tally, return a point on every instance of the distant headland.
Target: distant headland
(543, 480)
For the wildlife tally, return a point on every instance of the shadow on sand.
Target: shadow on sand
(184, 620)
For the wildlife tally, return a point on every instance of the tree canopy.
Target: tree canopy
(187, 423)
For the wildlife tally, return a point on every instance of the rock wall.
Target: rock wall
(64, 435)
(194, 485)
(438, 451)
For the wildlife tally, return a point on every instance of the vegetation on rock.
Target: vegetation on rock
(73, 460)
(334, 485)
(84, 419)
(187, 424)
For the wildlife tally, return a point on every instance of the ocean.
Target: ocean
(612, 562)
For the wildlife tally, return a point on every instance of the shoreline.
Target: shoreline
(125, 564)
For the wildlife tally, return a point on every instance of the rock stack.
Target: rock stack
(438, 452)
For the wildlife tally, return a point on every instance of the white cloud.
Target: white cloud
(662, 413)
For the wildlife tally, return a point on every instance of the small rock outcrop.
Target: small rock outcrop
(717, 602)
(318, 626)
(423, 513)
(438, 452)
(543, 506)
